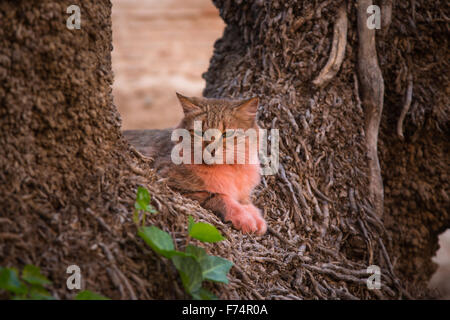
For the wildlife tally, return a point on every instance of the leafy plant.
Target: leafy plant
(142, 204)
(30, 287)
(89, 295)
(193, 264)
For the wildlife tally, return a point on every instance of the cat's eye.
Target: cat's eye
(228, 133)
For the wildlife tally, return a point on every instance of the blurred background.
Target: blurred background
(164, 46)
(160, 47)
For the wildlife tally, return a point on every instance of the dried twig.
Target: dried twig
(119, 277)
(337, 48)
(406, 106)
(279, 236)
(99, 220)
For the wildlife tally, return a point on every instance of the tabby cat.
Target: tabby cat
(223, 188)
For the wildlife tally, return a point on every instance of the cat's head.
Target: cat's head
(221, 114)
(229, 117)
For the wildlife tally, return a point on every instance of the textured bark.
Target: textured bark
(66, 176)
(323, 189)
(274, 49)
(415, 170)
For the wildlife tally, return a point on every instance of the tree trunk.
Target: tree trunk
(277, 50)
(67, 176)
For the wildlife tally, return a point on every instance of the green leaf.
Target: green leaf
(143, 200)
(197, 252)
(20, 297)
(89, 295)
(32, 275)
(10, 282)
(191, 223)
(205, 232)
(174, 253)
(190, 273)
(215, 268)
(204, 294)
(160, 241)
(37, 292)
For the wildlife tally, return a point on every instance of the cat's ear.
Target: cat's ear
(246, 111)
(187, 104)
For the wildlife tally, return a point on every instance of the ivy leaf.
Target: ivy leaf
(10, 282)
(215, 268)
(205, 232)
(160, 241)
(191, 223)
(174, 253)
(190, 273)
(20, 297)
(32, 275)
(143, 200)
(89, 295)
(204, 294)
(197, 252)
(37, 292)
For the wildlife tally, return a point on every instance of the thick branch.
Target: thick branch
(337, 49)
(372, 92)
(406, 106)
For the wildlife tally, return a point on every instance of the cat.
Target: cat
(224, 188)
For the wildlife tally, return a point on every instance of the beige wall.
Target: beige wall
(441, 279)
(160, 47)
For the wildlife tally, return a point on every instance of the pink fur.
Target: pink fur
(234, 180)
(235, 184)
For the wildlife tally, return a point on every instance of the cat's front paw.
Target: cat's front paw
(261, 224)
(242, 220)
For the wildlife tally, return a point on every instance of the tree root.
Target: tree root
(386, 16)
(372, 93)
(406, 106)
(337, 49)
